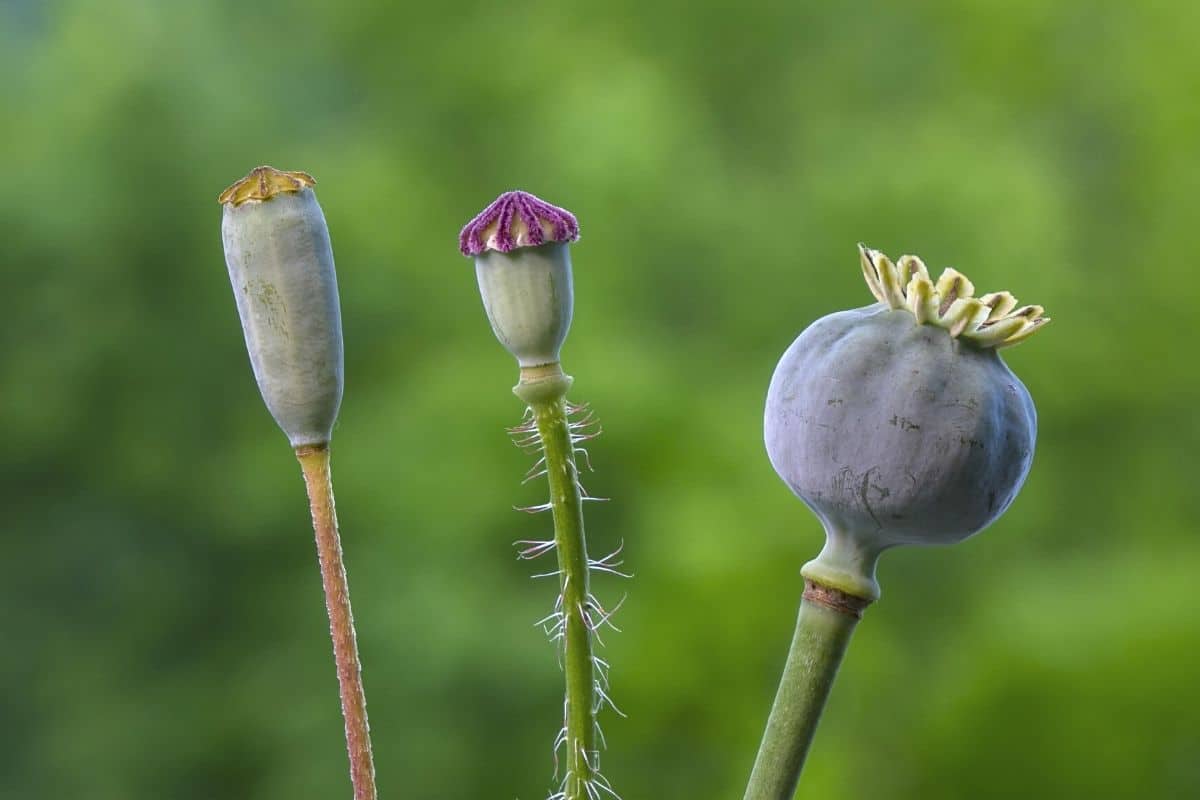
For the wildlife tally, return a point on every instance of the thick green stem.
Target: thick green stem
(545, 396)
(827, 619)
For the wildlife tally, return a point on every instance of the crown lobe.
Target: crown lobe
(987, 321)
(517, 219)
(263, 183)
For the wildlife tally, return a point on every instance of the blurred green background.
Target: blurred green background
(162, 627)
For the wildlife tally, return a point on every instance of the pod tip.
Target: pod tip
(517, 219)
(263, 183)
(991, 320)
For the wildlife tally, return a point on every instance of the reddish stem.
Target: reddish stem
(314, 462)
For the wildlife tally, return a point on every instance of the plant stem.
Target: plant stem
(314, 462)
(826, 621)
(546, 399)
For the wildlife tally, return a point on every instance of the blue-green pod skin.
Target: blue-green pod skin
(896, 433)
(281, 268)
(529, 299)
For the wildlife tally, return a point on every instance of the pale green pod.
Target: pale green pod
(281, 268)
(527, 295)
(519, 243)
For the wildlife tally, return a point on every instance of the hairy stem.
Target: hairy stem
(314, 462)
(826, 621)
(546, 400)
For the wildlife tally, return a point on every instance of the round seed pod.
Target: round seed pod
(280, 264)
(899, 423)
(523, 266)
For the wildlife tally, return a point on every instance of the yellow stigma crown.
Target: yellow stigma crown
(993, 320)
(263, 183)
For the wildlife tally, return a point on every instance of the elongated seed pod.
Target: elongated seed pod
(281, 267)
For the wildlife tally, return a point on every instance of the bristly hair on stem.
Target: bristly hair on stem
(520, 246)
(553, 432)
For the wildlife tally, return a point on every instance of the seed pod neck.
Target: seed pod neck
(846, 564)
(543, 384)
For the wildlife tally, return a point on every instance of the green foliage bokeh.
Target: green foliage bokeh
(162, 626)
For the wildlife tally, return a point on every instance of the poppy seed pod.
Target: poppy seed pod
(281, 268)
(898, 423)
(523, 266)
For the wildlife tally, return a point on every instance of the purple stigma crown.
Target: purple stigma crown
(517, 219)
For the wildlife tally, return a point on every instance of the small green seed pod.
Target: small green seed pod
(898, 423)
(523, 266)
(281, 267)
